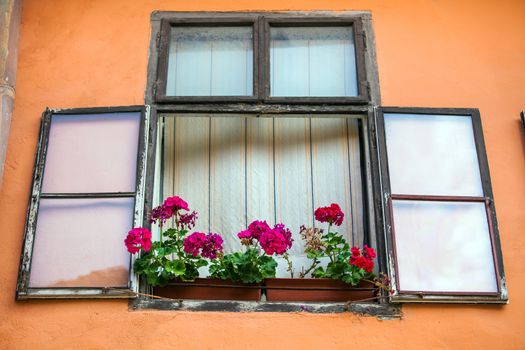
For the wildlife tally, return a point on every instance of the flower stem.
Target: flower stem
(290, 265)
(314, 265)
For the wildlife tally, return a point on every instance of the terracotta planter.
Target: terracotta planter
(316, 289)
(209, 289)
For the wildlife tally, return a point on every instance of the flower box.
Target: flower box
(317, 290)
(209, 289)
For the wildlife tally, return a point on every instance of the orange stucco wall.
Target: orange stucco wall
(445, 53)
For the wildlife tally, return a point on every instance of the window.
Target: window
(274, 115)
(442, 231)
(234, 169)
(254, 57)
(84, 198)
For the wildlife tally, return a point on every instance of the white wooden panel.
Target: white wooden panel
(356, 183)
(186, 164)
(227, 178)
(330, 168)
(293, 187)
(259, 170)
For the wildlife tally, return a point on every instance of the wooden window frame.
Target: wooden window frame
(23, 290)
(488, 199)
(261, 23)
(164, 38)
(240, 105)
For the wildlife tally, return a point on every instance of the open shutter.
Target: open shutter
(442, 236)
(87, 193)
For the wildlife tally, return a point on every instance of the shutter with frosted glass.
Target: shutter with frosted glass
(443, 241)
(87, 193)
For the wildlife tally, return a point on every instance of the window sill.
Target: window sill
(381, 311)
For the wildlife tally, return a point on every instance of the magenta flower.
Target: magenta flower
(254, 232)
(188, 220)
(194, 242)
(212, 246)
(175, 203)
(138, 238)
(277, 240)
(209, 246)
(257, 228)
(160, 214)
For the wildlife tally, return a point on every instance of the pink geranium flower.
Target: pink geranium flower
(138, 238)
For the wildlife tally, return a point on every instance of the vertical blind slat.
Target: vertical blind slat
(227, 178)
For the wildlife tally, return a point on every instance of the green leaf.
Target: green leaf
(176, 267)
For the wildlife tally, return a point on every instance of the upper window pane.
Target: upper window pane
(313, 61)
(210, 61)
(432, 155)
(92, 153)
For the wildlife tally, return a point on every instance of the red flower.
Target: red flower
(364, 258)
(331, 214)
(138, 238)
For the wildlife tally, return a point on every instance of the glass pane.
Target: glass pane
(80, 243)
(443, 247)
(432, 155)
(210, 61)
(313, 61)
(92, 153)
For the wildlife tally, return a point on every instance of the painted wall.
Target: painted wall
(446, 53)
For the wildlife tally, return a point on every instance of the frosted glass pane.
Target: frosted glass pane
(443, 246)
(313, 61)
(210, 61)
(432, 155)
(92, 153)
(80, 243)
